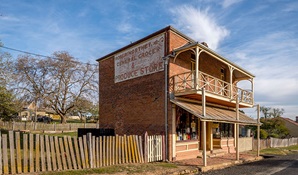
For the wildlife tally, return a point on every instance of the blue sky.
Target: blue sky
(261, 36)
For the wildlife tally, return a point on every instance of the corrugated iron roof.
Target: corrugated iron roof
(214, 113)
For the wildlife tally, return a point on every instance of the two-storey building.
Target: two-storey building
(167, 83)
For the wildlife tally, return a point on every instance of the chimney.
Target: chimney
(204, 43)
(296, 119)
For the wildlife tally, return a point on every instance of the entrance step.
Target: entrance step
(216, 153)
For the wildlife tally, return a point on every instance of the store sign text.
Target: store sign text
(143, 59)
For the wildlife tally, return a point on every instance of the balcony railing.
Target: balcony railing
(185, 82)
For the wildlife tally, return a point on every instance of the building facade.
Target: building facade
(166, 83)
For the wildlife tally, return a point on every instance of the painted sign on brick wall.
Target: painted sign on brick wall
(140, 60)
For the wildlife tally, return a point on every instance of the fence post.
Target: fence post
(141, 149)
(163, 148)
(86, 151)
(89, 144)
(5, 158)
(58, 155)
(37, 153)
(77, 151)
(82, 152)
(146, 147)
(42, 153)
(12, 153)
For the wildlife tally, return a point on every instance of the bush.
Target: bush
(263, 134)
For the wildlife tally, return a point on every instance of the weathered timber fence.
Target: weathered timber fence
(36, 126)
(29, 153)
(275, 143)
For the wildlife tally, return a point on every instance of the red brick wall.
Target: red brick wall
(212, 66)
(176, 41)
(137, 105)
(133, 106)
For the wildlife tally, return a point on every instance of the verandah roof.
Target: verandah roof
(215, 114)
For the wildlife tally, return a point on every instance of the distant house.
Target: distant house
(30, 111)
(292, 126)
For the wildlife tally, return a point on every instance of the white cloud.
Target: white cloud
(272, 58)
(228, 3)
(200, 25)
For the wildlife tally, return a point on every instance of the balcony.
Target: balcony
(217, 91)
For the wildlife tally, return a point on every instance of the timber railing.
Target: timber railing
(185, 82)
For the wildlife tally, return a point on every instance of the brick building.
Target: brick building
(167, 83)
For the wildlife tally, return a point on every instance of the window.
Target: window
(226, 130)
(186, 125)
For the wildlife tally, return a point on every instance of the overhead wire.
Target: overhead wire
(39, 55)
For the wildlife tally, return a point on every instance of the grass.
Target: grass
(280, 151)
(128, 169)
(72, 134)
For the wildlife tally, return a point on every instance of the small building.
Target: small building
(29, 112)
(167, 83)
(291, 125)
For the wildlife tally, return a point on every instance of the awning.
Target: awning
(215, 114)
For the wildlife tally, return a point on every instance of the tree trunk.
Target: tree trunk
(63, 119)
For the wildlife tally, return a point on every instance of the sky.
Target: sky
(261, 35)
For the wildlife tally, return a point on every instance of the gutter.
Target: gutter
(166, 63)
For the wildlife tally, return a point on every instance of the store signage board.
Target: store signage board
(140, 60)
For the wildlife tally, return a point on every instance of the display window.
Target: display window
(223, 130)
(186, 125)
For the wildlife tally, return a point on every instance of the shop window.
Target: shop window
(186, 125)
(226, 130)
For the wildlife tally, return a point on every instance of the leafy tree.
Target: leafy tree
(82, 107)
(263, 134)
(58, 82)
(8, 104)
(275, 127)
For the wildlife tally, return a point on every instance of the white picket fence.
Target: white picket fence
(154, 148)
(283, 142)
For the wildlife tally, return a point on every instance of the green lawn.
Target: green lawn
(127, 168)
(280, 151)
(72, 134)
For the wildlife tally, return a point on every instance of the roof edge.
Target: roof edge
(145, 38)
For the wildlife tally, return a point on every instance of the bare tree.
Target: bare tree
(265, 110)
(276, 112)
(57, 82)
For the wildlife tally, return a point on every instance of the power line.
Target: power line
(39, 55)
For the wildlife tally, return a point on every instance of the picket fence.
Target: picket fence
(154, 146)
(283, 142)
(275, 142)
(38, 153)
